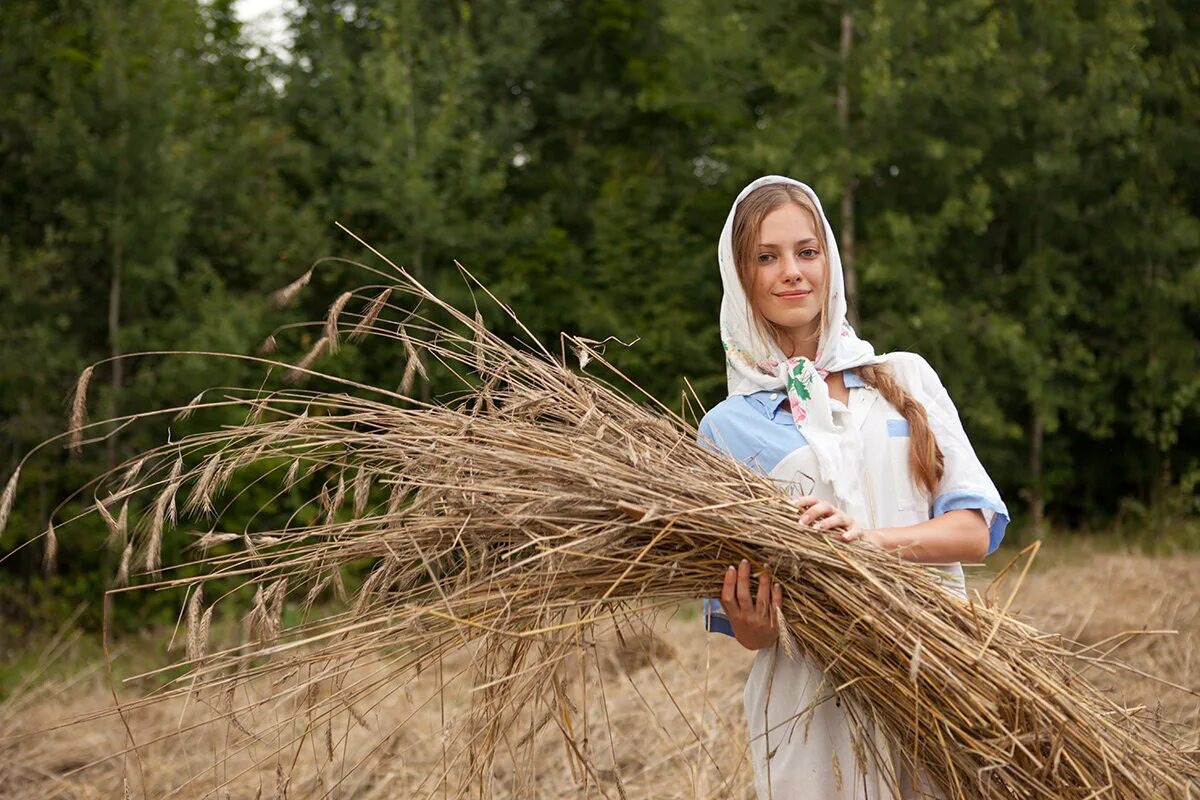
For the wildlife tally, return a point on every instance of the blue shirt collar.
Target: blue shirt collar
(853, 380)
(768, 402)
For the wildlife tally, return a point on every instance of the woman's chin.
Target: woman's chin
(797, 326)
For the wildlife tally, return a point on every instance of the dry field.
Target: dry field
(661, 710)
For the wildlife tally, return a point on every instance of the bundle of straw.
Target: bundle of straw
(541, 503)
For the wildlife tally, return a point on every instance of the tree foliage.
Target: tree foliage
(1014, 183)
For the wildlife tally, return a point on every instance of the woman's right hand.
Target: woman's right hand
(753, 618)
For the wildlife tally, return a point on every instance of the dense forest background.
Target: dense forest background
(1015, 186)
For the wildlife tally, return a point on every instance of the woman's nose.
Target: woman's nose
(791, 266)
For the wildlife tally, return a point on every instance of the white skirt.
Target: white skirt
(805, 742)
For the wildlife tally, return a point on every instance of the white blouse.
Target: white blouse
(802, 738)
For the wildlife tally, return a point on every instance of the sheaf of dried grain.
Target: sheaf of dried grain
(914, 666)
(786, 639)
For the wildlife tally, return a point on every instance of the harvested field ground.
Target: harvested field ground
(662, 709)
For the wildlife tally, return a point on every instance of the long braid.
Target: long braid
(924, 456)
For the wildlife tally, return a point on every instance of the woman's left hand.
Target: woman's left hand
(826, 516)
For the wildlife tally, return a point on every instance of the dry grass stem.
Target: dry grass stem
(368, 319)
(283, 297)
(299, 373)
(331, 319)
(195, 612)
(50, 551)
(199, 502)
(79, 411)
(116, 530)
(187, 410)
(7, 498)
(122, 578)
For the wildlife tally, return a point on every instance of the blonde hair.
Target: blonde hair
(925, 457)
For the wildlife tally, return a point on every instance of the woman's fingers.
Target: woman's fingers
(817, 511)
(729, 591)
(776, 604)
(743, 587)
(736, 595)
(762, 603)
(838, 519)
(805, 501)
(754, 618)
(821, 514)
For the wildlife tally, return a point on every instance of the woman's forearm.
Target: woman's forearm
(959, 535)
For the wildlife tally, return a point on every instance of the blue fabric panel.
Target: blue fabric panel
(735, 427)
(715, 620)
(852, 380)
(953, 501)
(897, 427)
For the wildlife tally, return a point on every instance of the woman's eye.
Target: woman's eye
(808, 252)
(765, 258)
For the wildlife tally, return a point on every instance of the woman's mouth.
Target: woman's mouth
(796, 295)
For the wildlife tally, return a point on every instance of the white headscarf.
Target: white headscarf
(754, 365)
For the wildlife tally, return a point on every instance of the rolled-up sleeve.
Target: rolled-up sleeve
(965, 483)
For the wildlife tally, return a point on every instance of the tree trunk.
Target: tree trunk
(410, 119)
(117, 235)
(114, 339)
(847, 233)
(1037, 500)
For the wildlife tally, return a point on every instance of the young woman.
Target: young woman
(870, 447)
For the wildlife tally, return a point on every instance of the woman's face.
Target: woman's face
(788, 269)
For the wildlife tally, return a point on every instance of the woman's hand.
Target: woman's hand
(827, 517)
(753, 618)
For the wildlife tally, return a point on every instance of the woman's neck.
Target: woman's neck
(799, 344)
